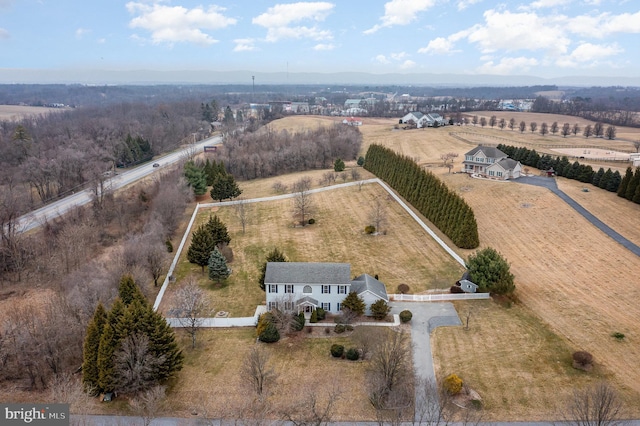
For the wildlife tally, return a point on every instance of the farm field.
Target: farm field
(17, 112)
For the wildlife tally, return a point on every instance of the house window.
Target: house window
(342, 289)
(326, 289)
(479, 160)
(273, 305)
(288, 288)
(339, 306)
(491, 173)
(307, 289)
(499, 173)
(326, 306)
(273, 288)
(468, 157)
(288, 306)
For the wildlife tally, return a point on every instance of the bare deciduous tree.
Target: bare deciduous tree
(148, 404)
(135, 365)
(303, 205)
(242, 209)
(389, 371)
(378, 214)
(257, 371)
(355, 174)
(367, 339)
(314, 409)
(448, 159)
(328, 178)
(636, 145)
(598, 405)
(192, 307)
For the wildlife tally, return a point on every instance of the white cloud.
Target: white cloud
(382, 59)
(244, 45)
(463, 4)
(438, 46)
(604, 24)
(407, 64)
(539, 4)
(278, 19)
(4, 34)
(401, 12)
(101, 40)
(323, 46)
(398, 56)
(588, 54)
(519, 31)
(80, 32)
(508, 66)
(171, 24)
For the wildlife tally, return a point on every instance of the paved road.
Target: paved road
(551, 184)
(59, 207)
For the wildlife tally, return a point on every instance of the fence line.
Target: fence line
(165, 284)
(437, 297)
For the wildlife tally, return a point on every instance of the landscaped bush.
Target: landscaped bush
(169, 245)
(369, 229)
(309, 330)
(264, 320)
(270, 334)
(337, 350)
(380, 309)
(348, 327)
(453, 384)
(327, 330)
(403, 288)
(314, 317)
(339, 328)
(298, 324)
(311, 221)
(456, 289)
(353, 354)
(582, 360)
(321, 313)
(406, 315)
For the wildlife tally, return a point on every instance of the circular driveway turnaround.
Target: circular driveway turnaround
(551, 184)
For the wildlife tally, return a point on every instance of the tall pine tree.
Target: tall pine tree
(218, 231)
(202, 244)
(90, 350)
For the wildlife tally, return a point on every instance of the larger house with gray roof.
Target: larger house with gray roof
(306, 286)
(490, 162)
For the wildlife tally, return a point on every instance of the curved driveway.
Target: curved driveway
(551, 184)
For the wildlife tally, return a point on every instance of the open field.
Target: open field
(405, 254)
(17, 112)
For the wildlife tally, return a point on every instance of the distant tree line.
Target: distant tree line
(442, 206)
(606, 109)
(269, 153)
(609, 180)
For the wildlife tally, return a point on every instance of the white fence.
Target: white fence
(223, 322)
(437, 297)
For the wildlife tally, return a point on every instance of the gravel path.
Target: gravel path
(551, 184)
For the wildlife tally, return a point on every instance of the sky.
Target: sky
(543, 38)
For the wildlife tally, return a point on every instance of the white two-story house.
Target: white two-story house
(490, 162)
(303, 287)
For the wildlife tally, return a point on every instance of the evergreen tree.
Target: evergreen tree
(129, 291)
(624, 183)
(90, 372)
(614, 183)
(380, 309)
(274, 255)
(354, 303)
(107, 347)
(634, 183)
(218, 269)
(490, 271)
(606, 178)
(270, 334)
(196, 178)
(202, 244)
(218, 231)
(595, 181)
(229, 120)
(338, 165)
(162, 344)
(636, 196)
(224, 186)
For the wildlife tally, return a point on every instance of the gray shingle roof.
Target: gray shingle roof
(508, 163)
(488, 151)
(307, 273)
(366, 282)
(307, 299)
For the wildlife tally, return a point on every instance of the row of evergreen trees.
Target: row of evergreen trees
(133, 150)
(207, 238)
(442, 206)
(211, 173)
(129, 348)
(630, 185)
(609, 179)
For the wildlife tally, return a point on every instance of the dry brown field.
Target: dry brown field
(17, 112)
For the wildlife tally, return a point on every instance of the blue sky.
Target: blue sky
(544, 38)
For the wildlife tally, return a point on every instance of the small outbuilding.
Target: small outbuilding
(467, 286)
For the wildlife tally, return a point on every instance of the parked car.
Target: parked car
(156, 165)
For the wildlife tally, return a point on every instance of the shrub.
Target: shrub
(582, 360)
(403, 288)
(354, 303)
(456, 289)
(453, 384)
(321, 313)
(339, 328)
(348, 327)
(406, 315)
(309, 330)
(311, 221)
(298, 324)
(314, 317)
(380, 309)
(369, 229)
(270, 334)
(327, 330)
(353, 354)
(264, 320)
(338, 165)
(169, 245)
(360, 161)
(618, 336)
(337, 350)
